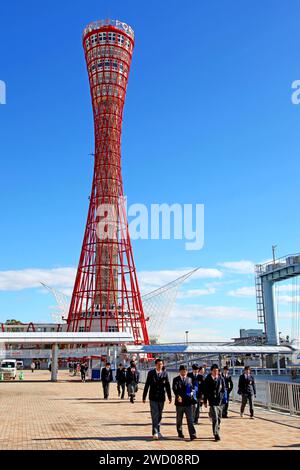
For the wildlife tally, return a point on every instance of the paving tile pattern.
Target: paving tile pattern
(38, 414)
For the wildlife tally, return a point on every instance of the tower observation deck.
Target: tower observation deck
(106, 295)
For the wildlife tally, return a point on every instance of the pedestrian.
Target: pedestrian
(184, 399)
(201, 378)
(197, 382)
(247, 389)
(158, 384)
(132, 380)
(32, 366)
(106, 378)
(83, 370)
(121, 381)
(214, 389)
(228, 389)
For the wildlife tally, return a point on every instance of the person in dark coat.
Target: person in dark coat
(184, 399)
(197, 381)
(106, 378)
(247, 389)
(214, 389)
(132, 380)
(158, 384)
(121, 380)
(229, 387)
(83, 370)
(201, 378)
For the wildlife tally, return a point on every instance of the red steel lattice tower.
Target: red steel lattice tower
(106, 294)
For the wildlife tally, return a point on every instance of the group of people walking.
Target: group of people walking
(192, 390)
(79, 367)
(129, 377)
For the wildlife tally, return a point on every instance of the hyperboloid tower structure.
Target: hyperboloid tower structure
(106, 294)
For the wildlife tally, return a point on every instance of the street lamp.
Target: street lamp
(186, 337)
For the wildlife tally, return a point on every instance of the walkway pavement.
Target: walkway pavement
(38, 414)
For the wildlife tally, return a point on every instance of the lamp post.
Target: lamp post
(187, 337)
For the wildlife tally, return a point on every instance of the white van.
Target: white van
(20, 365)
(8, 368)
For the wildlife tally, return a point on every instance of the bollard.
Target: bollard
(21, 376)
(1, 377)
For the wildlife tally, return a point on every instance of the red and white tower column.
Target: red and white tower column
(106, 294)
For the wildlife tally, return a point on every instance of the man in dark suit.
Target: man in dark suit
(132, 380)
(106, 378)
(121, 380)
(229, 387)
(247, 389)
(158, 385)
(214, 389)
(184, 398)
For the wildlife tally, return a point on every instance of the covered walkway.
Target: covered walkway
(63, 338)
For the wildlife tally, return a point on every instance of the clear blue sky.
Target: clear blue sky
(208, 119)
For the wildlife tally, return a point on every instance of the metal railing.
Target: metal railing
(262, 371)
(274, 395)
(278, 263)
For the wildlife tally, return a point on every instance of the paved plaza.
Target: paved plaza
(38, 414)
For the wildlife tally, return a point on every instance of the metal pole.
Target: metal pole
(278, 364)
(54, 362)
(274, 253)
(187, 337)
(271, 318)
(115, 359)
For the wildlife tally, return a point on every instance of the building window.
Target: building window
(112, 329)
(121, 39)
(102, 37)
(112, 36)
(94, 39)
